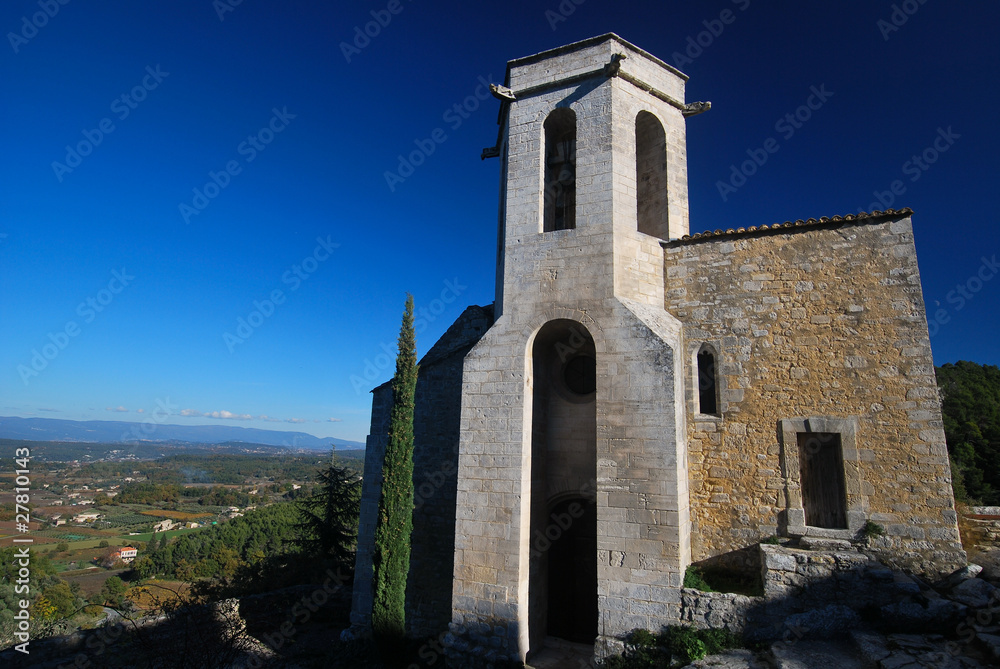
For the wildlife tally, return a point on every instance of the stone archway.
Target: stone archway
(562, 584)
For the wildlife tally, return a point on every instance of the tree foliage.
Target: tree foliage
(970, 395)
(147, 493)
(329, 518)
(52, 599)
(219, 550)
(391, 559)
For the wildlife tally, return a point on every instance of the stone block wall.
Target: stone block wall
(817, 321)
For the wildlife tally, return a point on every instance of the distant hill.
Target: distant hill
(114, 431)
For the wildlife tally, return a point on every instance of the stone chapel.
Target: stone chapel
(637, 398)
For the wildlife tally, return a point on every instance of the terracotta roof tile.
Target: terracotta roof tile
(863, 217)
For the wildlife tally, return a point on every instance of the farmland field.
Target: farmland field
(126, 519)
(90, 580)
(146, 536)
(175, 515)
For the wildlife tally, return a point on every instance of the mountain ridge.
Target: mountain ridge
(116, 431)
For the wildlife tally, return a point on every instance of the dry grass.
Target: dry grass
(155, 593)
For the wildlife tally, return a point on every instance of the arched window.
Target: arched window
(651, 175)
(708, 386)
(560, 171)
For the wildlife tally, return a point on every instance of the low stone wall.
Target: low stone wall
(807, 593)
(718, 610)
(985, 510)
(821, 592)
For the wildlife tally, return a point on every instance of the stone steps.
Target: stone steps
(561, 654)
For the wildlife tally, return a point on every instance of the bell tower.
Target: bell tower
(572, 476)
(593, 151)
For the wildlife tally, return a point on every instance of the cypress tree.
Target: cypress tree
(395, 508)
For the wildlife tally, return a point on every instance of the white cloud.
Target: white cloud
(47, 409)
(228, 415)
(295, 420)
(334, 420)
(140, 411)
(222, 415)
(119, 409)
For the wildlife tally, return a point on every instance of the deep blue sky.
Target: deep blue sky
(161, 338)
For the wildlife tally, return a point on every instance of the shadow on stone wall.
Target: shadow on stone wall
(811, 594)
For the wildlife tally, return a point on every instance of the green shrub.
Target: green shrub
(872, 530)
(695, 578)
(717, 641)
(686, 645)
(773, 540)
(672, 647)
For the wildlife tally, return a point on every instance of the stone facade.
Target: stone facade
(821, 321)
(643, 398)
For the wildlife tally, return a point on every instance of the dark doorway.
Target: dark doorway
(573, 571)
(562, 578)
(821, 468)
